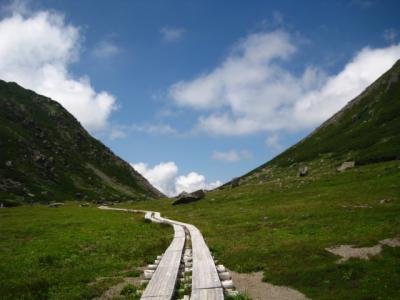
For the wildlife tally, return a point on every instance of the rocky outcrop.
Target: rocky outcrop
(346, 165)
(185, 197)
(303, 171)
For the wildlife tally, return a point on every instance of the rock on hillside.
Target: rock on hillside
(46, 155)
(366, 130)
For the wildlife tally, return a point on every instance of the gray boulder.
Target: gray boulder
(55, 205)
(346, 165)
(303, 171)
(185, 197)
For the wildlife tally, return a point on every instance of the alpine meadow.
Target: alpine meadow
(200, 150)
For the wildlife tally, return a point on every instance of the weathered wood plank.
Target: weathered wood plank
(204, 275)
(162, 283)
(207, 294)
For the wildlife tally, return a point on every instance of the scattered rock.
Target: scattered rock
(303, 171)
(185, 197)
(383, 201)
(346, 165)
(357, 206)
(55, 205)
(8, 163)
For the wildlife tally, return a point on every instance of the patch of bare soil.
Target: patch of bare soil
(349, 251)
(115, 291)
(252, 285)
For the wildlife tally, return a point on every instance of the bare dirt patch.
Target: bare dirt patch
(252, 285)
(115, 291)
(349, 251)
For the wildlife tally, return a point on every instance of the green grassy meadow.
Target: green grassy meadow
(57, 253)
(275, 222)
(280, 224)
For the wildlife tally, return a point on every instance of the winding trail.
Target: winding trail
(206, 284)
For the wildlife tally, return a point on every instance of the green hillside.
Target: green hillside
(366, 130)
(274, 221)
(45, 155)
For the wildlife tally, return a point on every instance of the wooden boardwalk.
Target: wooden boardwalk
(205, 280)
(163, 281)
(206, 284)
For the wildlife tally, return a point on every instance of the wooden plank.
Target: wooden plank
(162, 283)
(206, 284)
(148, 215)
(204, 274)
(207, 294)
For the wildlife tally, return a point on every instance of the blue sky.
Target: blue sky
(207, 89)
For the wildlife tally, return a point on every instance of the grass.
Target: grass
(130, 291)
(57, 253)
(281, 224)
(238, 297)
(273, 222)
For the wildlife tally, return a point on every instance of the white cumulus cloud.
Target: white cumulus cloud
(164, 177)
(36, 51)
(253, 90)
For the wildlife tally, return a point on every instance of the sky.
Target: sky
(195, 93)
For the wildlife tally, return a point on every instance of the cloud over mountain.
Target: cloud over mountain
(254, 90)
(164, 177)
(37, 50)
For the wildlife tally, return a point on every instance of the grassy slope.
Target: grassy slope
(366, 130)
(64, 249)
(52, 156)
(281, 224)
(282, 227)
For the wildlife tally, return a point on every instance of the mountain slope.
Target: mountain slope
(274, 221)
(366, 130)
(45, 154)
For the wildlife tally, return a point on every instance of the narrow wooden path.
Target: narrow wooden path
(162, 283)
(206, 284)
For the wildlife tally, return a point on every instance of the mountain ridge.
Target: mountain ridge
(47, 155)
(345, 135)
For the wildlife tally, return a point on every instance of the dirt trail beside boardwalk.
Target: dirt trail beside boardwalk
(252, 285)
